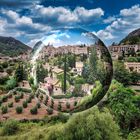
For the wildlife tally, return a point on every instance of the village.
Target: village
(49, 55)
(79, 56)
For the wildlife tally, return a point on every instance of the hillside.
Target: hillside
(12, 47)
(132, 38)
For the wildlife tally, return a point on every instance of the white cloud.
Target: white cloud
(104, 35)
(21, 24)
(32, 42)
(65, 15)
(109, 19)
(133, 11)
(11, 14)
(127, 21)
(86, 15)
(24, 20)
(64, 35)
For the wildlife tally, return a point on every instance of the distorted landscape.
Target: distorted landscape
(62, 80)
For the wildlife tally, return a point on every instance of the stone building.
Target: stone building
(133, 66)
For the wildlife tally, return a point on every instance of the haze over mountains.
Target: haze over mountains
(12, 47)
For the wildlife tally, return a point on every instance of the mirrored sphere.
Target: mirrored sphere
(71, 68)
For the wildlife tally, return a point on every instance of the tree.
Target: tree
(93, 62)
(121, 74)
(41, 73)
(79, 80)
(65, 73)
(71, 60)
(135, 77)
(77, 90)
(88, 125)
(86, 72)
(19, 73)
(124, 105)
(11, 83)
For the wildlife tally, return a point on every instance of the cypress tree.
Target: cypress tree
(65, 80)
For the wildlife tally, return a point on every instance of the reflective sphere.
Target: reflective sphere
(71, 68)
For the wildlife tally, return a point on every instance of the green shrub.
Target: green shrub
(29, 100)
(38, 105)
(49, 110)
(4, 109)
(75, 103)
(34, 110)
(10, 95)
(17, 98)
(23, 89)
(0, 102)
(88, 125)
(37, 94)
(47, 97)
(25, 104)
(10, 104)
(31, 96)
(134, 135)
(19, 109)
(21, 95)
(4, 98)
(10, 84)
(67, 104)
(59, 106)
(10, 127)
(15, 92)
(52, 103)
(46, 100)
(41, 97)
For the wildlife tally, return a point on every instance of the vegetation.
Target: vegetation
(17, 98)
(4, 109)
(38, 105)
(11, 83)
(34, 110)
(124, 105)
(25, 104)
(49, 110)
(12, 47)
(122, 75)
(19, 73)
(4, 98)
(100, 124)
(41, 73)
(10, 127)
(19, 109)
(68, 105)
(10, 104)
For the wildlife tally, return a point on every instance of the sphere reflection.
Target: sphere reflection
(72, 68)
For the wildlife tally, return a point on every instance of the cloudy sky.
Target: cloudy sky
(30, 20)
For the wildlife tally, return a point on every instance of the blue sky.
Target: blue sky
(69, 36)
(30, 20)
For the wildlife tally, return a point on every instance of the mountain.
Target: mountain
(132, 38)
(12, 47)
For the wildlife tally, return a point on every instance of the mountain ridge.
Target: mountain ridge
(132, 38)
(12, 47)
